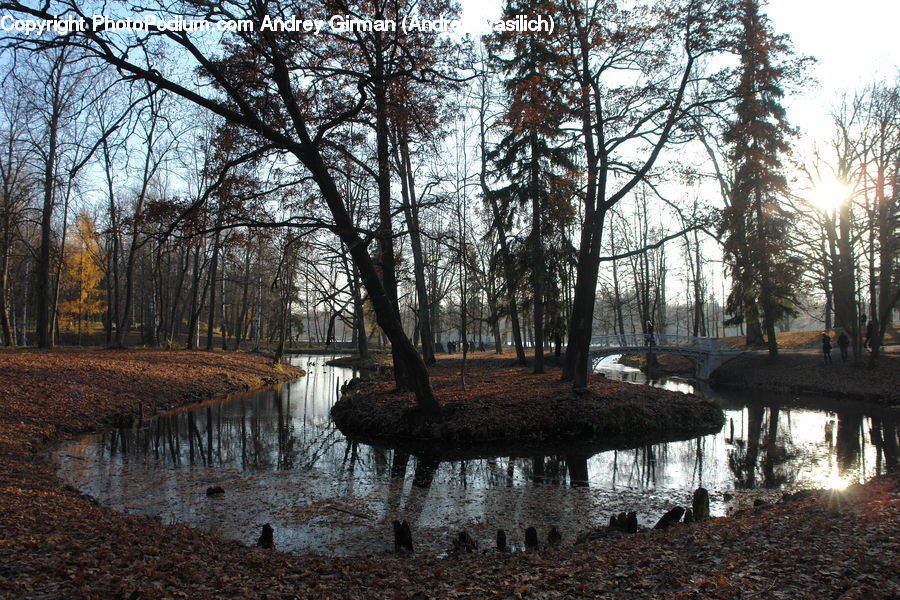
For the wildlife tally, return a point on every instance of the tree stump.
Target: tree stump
(402, 537)
(464, 543)
(531, 538)
(624, 522)
(501, 541)
(700, 504)
(631, 522)
(267, 539)
(554, 537)
(670, 518)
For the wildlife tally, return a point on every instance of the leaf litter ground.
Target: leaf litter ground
(56, 543)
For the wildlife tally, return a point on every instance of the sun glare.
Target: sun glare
(835, 482)
(829, 194)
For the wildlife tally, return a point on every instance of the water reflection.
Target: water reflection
(281, 461)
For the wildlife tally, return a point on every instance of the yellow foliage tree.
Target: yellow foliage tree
(81, 279)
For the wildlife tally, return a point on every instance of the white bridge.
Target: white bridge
(705, 352)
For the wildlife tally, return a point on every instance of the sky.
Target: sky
(854, 42)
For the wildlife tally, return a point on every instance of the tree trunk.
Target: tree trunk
(413, 370)
(588, 263)
(844, 283)
(194, 315)
(505, 255)
(213, 275)
(241, 315)
(411, 211)
(385, 228)
(113, 309)
(8, 339)
(537, 254)
(42, 288)
(359, 317)
(888, 288)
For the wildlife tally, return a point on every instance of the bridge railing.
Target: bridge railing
(657, 339)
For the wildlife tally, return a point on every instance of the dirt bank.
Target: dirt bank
(47, 394)
(805, 372)
(800, 369)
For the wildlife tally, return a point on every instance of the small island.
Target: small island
(505, 406)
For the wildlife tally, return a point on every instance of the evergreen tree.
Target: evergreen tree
(755, 226)
(534, 165)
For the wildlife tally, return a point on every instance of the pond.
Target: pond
(281, 461)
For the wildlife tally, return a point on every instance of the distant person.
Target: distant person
(826, 348)
(450, 347)
(843, 344)
(481, 346)
(870, 332)
(648, 339)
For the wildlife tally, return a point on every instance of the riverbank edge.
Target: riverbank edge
(370, 363)
(782, 379)
(234, 372)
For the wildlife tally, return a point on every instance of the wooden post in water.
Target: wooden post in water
(402, 537)
(531, 539)
(700, 504)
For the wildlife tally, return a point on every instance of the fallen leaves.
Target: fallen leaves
(55, 543)
(803, 372)
(509, 405)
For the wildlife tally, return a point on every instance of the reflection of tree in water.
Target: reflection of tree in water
(547, 469)
(885, 436)
(403, 504)
(426, 467)
(283, 431)
(380, 461)
(643, 466)
(578, 469)
(351, 456)
(287, 454)
(849, 443)
(258, 432)
(762, 451)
